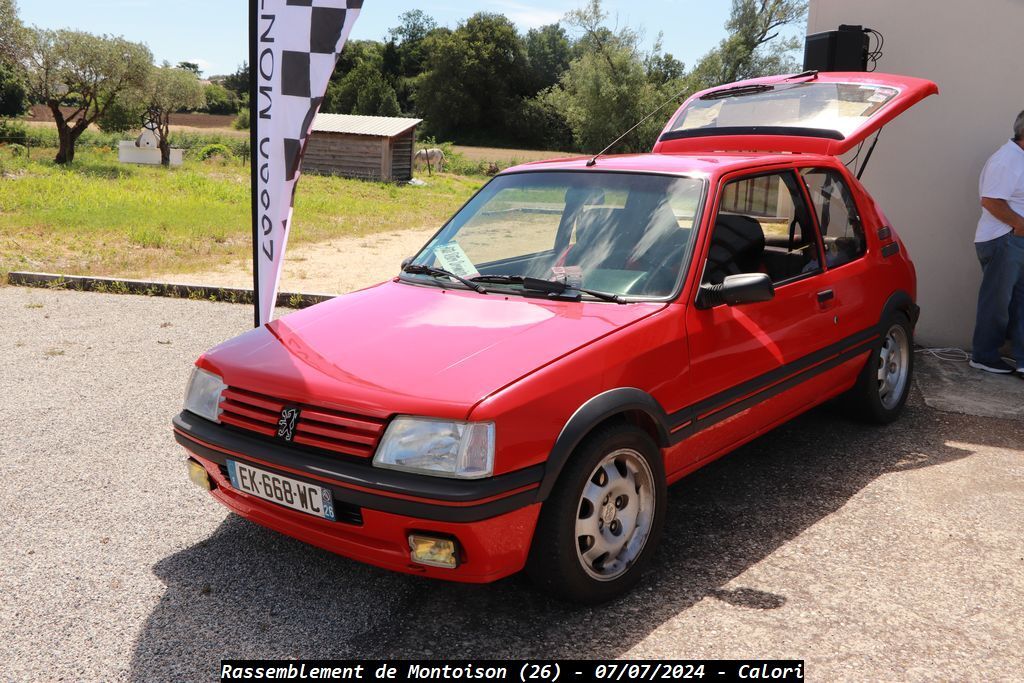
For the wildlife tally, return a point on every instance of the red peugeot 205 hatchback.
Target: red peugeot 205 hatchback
(581, 334)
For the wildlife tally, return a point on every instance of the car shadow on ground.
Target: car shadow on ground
(248, 592)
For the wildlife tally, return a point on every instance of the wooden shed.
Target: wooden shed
(367, 147)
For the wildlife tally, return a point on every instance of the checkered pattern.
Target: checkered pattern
(303, 39)
(309, 52)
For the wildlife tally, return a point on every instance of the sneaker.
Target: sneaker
(998, 367)
(1020, 372)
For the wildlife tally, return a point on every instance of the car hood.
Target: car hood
(404, 348)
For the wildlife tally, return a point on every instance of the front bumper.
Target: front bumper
(492, 519)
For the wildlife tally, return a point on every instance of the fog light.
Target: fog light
(437, 552)
(197, 473)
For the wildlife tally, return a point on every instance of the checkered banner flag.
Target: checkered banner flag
(293, 47)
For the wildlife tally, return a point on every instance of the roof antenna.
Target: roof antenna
(593, 159)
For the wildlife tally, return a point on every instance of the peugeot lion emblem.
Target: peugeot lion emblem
(286, 423)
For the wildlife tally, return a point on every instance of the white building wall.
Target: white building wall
(924, 171)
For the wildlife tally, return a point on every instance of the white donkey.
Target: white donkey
(431, 158)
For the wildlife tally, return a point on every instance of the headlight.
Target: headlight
(441, 448)
(202, 396)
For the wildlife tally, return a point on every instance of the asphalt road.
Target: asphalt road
(873, 554)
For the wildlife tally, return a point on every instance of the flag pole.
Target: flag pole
(253, 169)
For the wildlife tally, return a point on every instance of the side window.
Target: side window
(841, 228)
(763, 226)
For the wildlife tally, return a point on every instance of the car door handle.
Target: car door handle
(825, 295)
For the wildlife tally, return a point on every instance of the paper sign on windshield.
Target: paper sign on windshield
(453, 259)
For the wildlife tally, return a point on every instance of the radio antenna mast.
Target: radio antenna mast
(593, 159)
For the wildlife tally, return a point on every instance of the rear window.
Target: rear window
(838, 108)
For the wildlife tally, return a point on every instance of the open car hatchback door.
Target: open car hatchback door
(823, 113)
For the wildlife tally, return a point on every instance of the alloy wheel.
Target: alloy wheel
(615, 514)
(893, 366)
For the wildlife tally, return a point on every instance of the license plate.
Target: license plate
(298, 495)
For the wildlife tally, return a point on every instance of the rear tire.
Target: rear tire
(884, 383)
(598, 530)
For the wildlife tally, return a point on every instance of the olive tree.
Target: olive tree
(87, 73)
(171, 90)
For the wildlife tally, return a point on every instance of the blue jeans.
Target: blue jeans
(1000, 299)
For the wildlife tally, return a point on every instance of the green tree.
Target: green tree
(662, 67)
(171, 90)
(13, 98)
(12, 33)
(378, 99)
(753, 47)
(549, 52)
(363, 90)
(220, 100)
(409, 36)
(238, 82)
(191, 66)
(477, 79)
(167, 90)
(608, 88)
(83, 71)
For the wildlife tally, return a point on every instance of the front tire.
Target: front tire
(598, 530)
(884, 384)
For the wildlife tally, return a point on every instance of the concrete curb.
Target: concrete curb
(110, 285)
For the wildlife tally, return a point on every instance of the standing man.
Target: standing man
(1000, 245)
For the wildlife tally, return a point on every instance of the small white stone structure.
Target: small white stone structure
(145, 149)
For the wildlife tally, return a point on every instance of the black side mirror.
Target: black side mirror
(745, 288)
(406, 261)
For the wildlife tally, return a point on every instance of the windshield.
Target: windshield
(839, 108)
(618, 233)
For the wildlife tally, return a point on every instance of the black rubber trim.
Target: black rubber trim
(884, 233)
(890, 249)
(900, 301)
(592, 413)
(724, 131)
(465, 492)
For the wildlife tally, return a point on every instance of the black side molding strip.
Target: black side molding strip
(890, 249)
(684, 423)
(754, 388)
(884, 233)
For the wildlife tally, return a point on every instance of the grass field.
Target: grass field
(100, 217)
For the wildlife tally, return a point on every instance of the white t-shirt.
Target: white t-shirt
(1002, 178)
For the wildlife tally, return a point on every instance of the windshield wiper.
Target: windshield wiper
(737, 91)
(418, 269)
(534, 284)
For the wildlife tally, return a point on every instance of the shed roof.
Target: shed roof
(380, 126)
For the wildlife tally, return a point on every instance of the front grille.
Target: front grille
(319, 428)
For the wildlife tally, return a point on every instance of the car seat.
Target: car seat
(737, 246)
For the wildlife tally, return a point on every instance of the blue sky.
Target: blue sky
(213, 32)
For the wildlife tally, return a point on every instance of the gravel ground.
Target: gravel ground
(874, 554)
(339, 265)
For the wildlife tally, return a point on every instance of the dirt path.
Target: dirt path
(332, 267)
